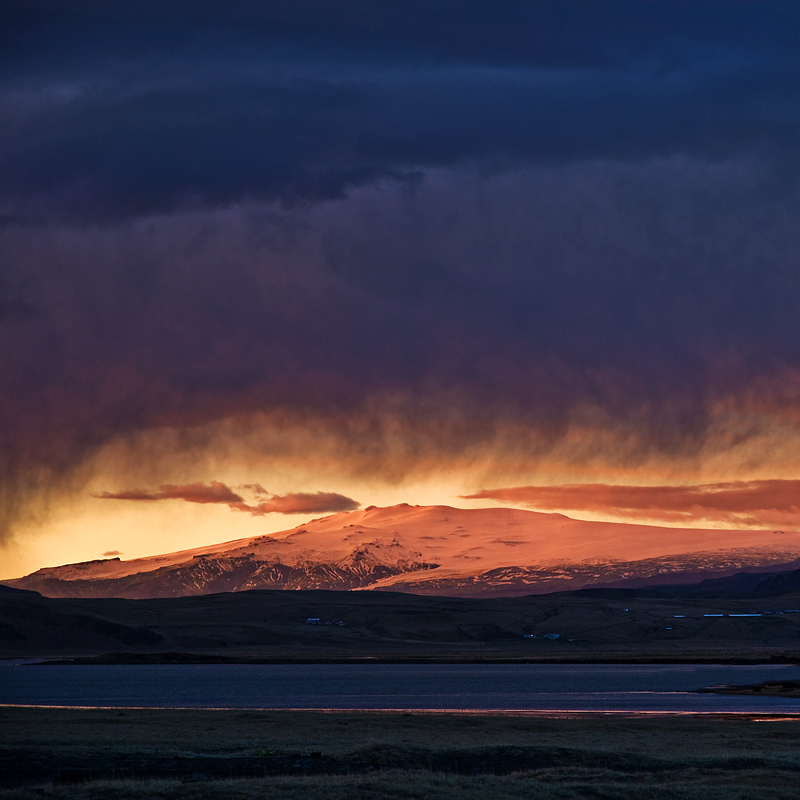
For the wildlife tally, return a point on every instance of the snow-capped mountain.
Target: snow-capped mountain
(431, 550)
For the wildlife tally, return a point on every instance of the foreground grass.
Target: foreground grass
(71, 754)
(405, 785)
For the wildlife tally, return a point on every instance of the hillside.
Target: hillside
(314, 625)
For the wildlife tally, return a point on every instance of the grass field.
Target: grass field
(106, 754)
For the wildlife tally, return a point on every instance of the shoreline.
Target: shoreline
(555, 714)
(111, 659)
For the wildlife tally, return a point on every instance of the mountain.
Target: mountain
(432, 550)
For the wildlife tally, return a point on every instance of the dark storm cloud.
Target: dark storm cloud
(301, 104)
(426, 223)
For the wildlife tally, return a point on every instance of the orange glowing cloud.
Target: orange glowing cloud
(215, 492)
(759, 502)
(218, 492)
(300, 503)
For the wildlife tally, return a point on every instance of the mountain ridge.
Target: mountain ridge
(429, 550)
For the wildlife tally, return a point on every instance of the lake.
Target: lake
(500, 687)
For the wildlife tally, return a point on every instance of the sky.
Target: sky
(266, 261)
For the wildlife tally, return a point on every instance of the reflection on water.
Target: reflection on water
(524, 687)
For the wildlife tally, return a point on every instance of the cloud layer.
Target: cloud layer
(218, 492)
(260, 103)
(400, 238)
(300, 503)
(215, 492)
(764, 502)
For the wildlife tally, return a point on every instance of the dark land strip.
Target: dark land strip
(315, 626)
(765, 689)
(492, 656)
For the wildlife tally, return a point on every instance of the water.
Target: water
(502, 687)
